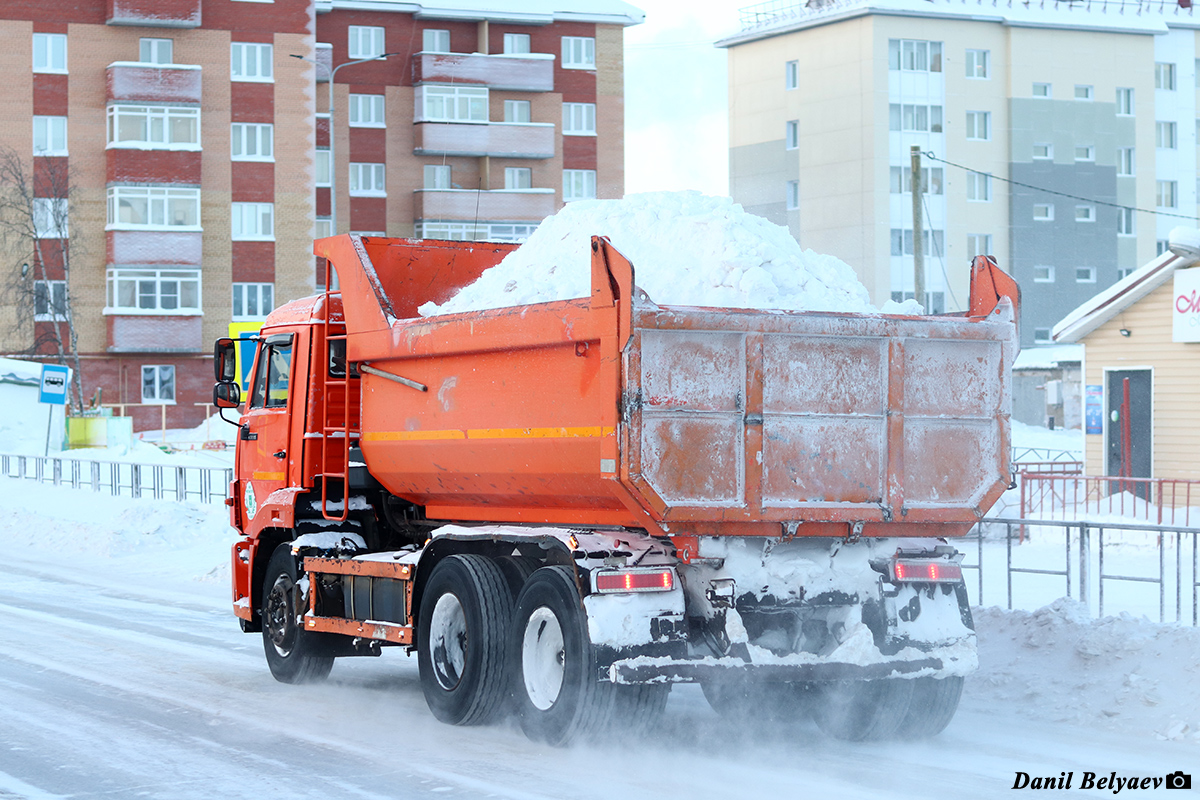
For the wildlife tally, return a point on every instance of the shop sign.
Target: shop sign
(1185, 310)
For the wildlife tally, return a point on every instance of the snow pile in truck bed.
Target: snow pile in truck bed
(687, 249)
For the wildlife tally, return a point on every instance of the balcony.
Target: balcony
(528, 72)
(138, 82)
(155, 13)
(496, 204)
(499, 139)
(155, 334)
(154, 247)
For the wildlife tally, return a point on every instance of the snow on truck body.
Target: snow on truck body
(718, 489)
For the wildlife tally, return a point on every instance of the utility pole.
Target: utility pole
(918, 229)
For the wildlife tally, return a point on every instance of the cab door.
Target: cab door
(263, 455)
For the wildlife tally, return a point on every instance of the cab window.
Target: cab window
(272, 376)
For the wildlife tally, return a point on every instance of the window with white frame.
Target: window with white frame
(979, 187)
(1126, 222)
(367, 180)
(321, 167)
(920, 118)
(49, 301)
(1085, 213)
(510, 232)
(49, 52)
(251, 61)
(911, 55)
(253, 300)
(253, 222)
(1164, 76)
(1085, 274)
(900, 179)
(1043, 151)
(433, 40)
(50, 215)
(1085, 152)
(153, 208)
(1125, 102)
(792, 134)
(154, 127)
(1161, 246)
(452, 103)
(1124, 272)
(324, 227)
(979, 126)
(156, 51)
(579, 184)
(1041, 90)
(437, 176)
(518, 178)
(367, 111)
(1126, 164)
(1166, 194)
(1043, 212)
(49, 136)
(516, 111)
(158, 384)
(366, 41)
(153, 291)
(902, 242)
(1083, 91)
(1043, 274)
(1165, 135)
(1041, 334)
(977, 63)
(793, 195)
(979, 244)
(791, 75)
(516, 43)
(578, 52)
(579, 119)
(252, 141)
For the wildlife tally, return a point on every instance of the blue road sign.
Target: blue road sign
(54, 384)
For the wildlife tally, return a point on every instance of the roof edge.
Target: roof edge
(1099, 309)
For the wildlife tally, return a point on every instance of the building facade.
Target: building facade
(1060, 138)
(180, 158)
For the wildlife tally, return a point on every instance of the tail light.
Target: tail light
(648, 579)
(911, 570)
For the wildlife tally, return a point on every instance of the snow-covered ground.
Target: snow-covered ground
(123, 674)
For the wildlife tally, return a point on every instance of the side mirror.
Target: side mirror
(227, 394)
(224, 363)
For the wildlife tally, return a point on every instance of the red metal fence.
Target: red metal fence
(1163, 501)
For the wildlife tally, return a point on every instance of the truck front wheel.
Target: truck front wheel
(293, 654)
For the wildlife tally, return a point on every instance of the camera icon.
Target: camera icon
(1179, 780)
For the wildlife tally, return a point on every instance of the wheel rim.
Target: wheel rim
(448, 641)
(279, 616)
(542, 658)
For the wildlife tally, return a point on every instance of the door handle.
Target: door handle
(281, 454)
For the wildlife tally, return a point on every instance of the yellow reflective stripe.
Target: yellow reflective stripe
(590, 432)
(409, 436)
(269, 476)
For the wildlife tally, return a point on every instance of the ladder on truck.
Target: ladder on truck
(335, 427)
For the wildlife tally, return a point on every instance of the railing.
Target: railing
(1026, 458)
(159, 481)
(1163, 501)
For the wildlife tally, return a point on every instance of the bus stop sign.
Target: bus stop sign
(54, 384)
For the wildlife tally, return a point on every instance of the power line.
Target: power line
(937, 250)
(932, 157)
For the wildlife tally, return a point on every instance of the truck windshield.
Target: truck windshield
(272, 376)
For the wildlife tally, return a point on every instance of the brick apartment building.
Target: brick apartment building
(196, 138)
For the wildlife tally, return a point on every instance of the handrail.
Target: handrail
(123, 478)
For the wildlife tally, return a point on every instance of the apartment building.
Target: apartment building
(203, 159)
(1059, 137)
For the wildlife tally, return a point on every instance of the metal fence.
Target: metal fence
(1159, 501)
(159, 481)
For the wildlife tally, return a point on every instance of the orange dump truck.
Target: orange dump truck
(565, 508)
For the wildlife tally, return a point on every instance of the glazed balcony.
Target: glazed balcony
(499, 139)
(528, 72)
(494, 204)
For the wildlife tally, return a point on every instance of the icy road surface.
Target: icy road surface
(123, 674)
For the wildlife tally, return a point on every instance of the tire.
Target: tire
(558, 695)
(934, 701)
(462, 633)
(293, 654)
(749, 702)
(861, 710)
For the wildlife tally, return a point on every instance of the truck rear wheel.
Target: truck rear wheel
(293, 654)
(934, 701)
(461, 635)
(861, 710)
(559, 696)
(743, 701)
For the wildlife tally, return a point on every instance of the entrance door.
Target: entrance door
(1140, 422)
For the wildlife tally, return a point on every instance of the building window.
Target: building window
(979, 244)
(437, 176)
(324, 228)
(1165, 135)
(979, 126)
(979, 187)
(1125, 161)
(367, 180)
(922, 119)
(253, 300)
(153, 291)
(1043, 274)
(977, 64)
(156, 51)
(578, 52)
(433, 40)
(366, 41)
(1043, 212)
(579, 184)
(1166, 194)
(1041, 335)
(366, 111)
(321, 167)
(1125, 102)
(792, 134)
(453, 103)
(793, 195)
(1161, 246)
(49, 301)
(1041, 90)
(1126, 222)
(1164, 76)
(152, 208)
(1085, 152)
(1085, 274)
(158, 384)
(252, 141)
(914, 56)
(1043, 151)
(154, 127)
(1085, 213)
(50, 215)
(900, 179)
(253, 222)
(250, 61)
(516, 111)
(579, 119)
(49, 52)
(791, 75)
(49, 136)
(902, 242)
(1083, 92)
(518, 178)
(516, 43)
(1124, 272)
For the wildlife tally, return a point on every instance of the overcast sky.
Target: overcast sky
(676, 133)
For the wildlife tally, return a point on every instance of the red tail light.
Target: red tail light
(642, 580)
(931, 571)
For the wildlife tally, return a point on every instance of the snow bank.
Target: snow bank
(23, 424)
(686, 248)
